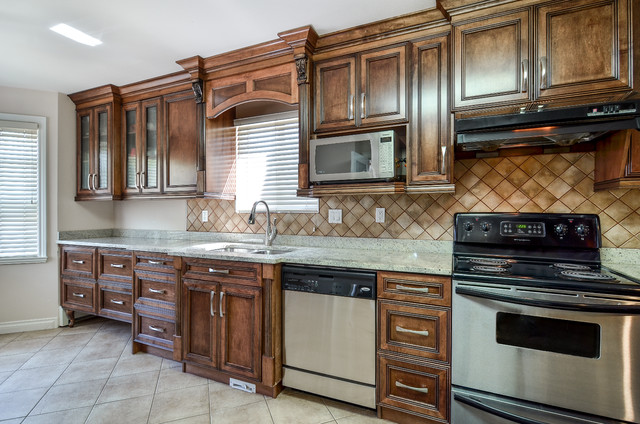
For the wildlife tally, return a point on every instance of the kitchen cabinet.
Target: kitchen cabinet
(617, 162)
(414, 347)
(222, 317)
(430, 141)
(566, 52)
(367, 89)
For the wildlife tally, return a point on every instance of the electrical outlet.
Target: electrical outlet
(380, 215)
(335, 216)
(205, 216)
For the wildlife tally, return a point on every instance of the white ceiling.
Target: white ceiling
(144, 38)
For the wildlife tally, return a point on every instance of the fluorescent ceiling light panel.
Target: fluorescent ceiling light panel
(75, 35)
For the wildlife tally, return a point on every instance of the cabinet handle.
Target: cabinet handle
(121, 266)
(219, 271)
(156, 329)
(543, 72)
(117, 302)
(95, 177)
(415, 389)
(89, 181)
(406, 330)
(80, 295)
(156, 262)
(221, 298)
(213, 313)
(143, 180)
(152, 290)
(75, 261)
(351, 106)
(444, 160)
(363, 103)
(137, 181)
(413, 289)
(525, 76)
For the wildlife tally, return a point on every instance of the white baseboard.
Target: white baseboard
(28, 325)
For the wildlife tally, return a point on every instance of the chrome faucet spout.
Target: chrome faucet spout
(271, 231)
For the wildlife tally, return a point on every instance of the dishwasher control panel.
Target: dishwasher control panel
(329, 281)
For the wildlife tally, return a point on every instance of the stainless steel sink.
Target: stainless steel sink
(232, 249)
(253, 250)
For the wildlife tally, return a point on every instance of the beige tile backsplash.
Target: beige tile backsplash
(544, 183)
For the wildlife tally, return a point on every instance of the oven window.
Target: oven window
(344, 157)
(549, 334)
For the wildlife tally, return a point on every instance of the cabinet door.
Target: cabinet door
(383, 86)
(101, 180)
(131, 156)
(85, 163)
(429, 145)
(583, 47)
(491, 61)
(182, 140)
(335, 91)
(199, 322)
(240, 311)
(94, 153)
(150, 144)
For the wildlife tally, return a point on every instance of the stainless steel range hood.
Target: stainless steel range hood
(553, 127)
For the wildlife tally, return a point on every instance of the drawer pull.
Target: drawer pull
(117, 265)
(156, 329)
(117, 302)
(406, 330)
(156, 262)
(213, 295)
(75, 261)
(415, 389)
(413, 289)
(80, 295)
(152, 290)
(219, 271)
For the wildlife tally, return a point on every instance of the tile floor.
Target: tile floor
(87, 374)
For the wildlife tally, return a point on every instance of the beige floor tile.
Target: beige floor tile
(111, 336)
(223, 396)
(342, 410)
(255, 413)
(6, 338)
(45, 358)
(292, 407)
(4, 375)
(140, 362)
(84, 326)
(101, 350)
(178, 404)
(69, 396)
(362, 419)
(13, 421)
(18, 404)
(174, 379)
(70, 416)
(129, 386)
(168, 363)
(199, 419)
(32, 378)
(65, 340)
(13, 362)
(128, 411)
(77, 372)
(27, 335)
(17, 347)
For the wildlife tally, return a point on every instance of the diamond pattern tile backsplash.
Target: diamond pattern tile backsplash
(558, 183)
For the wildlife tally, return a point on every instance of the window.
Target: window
(267, 164)
(22, 189)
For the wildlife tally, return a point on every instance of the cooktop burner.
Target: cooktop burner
(571, 267)
(489, 269)
(587, 276)
(489, 261)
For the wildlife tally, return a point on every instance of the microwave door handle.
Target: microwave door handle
(498, 295)
(476, 402)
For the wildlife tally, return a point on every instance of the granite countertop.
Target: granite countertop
(426, 257)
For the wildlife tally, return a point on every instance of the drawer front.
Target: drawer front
(234, 272)
(115, 264)
(78, 261)
(115, 303)
(154, 262)
(78, 295)
(154, 331)
(426, 289)
(418, 387)
(414, 330)
(155, 287)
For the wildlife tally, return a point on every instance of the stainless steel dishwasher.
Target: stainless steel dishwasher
(329, 332)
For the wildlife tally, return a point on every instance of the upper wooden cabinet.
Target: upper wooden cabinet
(566, 52)
(618, 161)
(361, 90)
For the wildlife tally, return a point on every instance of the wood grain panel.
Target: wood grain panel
(182, 139)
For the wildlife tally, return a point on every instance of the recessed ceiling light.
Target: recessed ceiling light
(75, 35)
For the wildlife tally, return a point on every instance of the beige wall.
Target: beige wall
(143, 214)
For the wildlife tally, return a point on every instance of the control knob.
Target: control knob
(485, 226)
(582, 230)
(468, 226)
(560, 229)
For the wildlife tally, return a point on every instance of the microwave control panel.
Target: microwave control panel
(386, 160)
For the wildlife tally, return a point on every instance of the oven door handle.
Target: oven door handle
(611, 308)
(476, 403)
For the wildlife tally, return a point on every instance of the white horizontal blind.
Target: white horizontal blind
(267, 164)
(21, 200)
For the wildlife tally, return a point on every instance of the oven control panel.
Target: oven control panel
(536, 229)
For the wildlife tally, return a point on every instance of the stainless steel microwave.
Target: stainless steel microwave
(350, 158)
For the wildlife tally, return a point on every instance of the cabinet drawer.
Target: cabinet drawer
(154, 331)
(414, 330)
(78, 295)
(78, 261)
(429, 289)
(154, 262)
(156, 286)
(115, 302)
(115, 264)
(420, 387)
(210, 270)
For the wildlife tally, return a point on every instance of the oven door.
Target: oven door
(579, 352)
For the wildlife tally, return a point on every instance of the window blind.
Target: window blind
(267, 164)
(21, 200)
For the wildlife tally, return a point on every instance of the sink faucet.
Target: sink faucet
(271, 232)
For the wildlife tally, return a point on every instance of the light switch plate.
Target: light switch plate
(380, 214)
(335, 216)
(205, 216)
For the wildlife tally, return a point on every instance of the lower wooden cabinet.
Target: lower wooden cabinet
(414, 347)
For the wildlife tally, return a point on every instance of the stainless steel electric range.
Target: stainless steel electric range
(542, 332)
